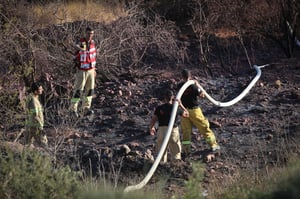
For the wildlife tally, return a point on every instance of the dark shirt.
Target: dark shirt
(163, 113)
(189, 97)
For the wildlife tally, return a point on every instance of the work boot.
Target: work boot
(216, 150)
(75, 114)
(89, 114)
(185, 156)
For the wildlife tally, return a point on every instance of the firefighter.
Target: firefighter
(196, 118)
(85, 74)
(162, 115)
(34, 134)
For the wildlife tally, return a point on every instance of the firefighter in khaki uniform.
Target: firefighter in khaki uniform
(35, 118)
(162, 115)
(85, 74)
(196, 118)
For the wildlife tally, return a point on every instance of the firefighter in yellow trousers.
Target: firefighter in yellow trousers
(196, 118)
(34, 134)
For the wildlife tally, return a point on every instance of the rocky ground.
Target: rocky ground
(261, 130)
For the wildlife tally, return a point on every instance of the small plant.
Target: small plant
(280, 183)
(193, 185)
(31, 175)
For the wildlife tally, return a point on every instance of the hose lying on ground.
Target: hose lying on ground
(240, 96)
(172, 120)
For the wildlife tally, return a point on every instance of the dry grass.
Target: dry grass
(224, 33)
(57, 13)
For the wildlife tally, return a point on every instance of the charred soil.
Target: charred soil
(262, 130)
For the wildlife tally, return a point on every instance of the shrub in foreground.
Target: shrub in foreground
(30, 174)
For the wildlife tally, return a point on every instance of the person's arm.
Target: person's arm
(34, 114)
(39, 115)
(152, 125)
(78, 45)
(185, 112)
(201, 93)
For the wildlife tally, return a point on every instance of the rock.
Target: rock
(278, 83)
(148, 155)
(123, 150)
(210, 157)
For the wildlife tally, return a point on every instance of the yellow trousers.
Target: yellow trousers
(174, 144)
(197, 119)
(84, 82)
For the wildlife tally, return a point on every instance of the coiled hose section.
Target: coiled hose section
(173, 116)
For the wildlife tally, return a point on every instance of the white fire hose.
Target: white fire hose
(240, 96)
(172, 120)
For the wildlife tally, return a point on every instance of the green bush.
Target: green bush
(193, 186)
(279, 183)
(288, 188)
(110, 194)
(31, 175)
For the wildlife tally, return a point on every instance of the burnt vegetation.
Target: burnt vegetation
(147, 40)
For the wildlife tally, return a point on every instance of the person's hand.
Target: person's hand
(185, 113)
(197, 83)
(152, 131)
(177, 100)
(202, 94)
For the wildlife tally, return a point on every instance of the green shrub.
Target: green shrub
(279, 183)
(193, 186)
(32, 175)
(288, 187)
(110, 194)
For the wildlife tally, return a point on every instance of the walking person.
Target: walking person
(162, 115)
(196, 118)
(34, 133)
(85, 74)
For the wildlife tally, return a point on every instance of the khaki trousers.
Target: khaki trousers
(174, 144)
(84, 82)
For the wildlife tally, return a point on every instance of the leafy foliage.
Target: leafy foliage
(31, 175)
(281, 183)
(193, 185)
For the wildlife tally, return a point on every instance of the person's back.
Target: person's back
(162, 115)
(196, 118)
(189, 97)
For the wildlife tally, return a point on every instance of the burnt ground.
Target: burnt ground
(262, 130)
